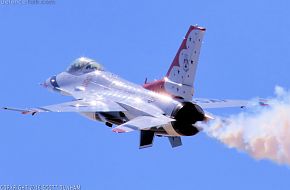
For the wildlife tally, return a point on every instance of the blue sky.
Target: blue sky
(245, 54)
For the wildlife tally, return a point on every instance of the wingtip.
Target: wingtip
(263, 102)
(198, 27)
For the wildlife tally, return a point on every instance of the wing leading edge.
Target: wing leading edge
(74, 106)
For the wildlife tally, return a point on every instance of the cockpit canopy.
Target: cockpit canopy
(84, 65)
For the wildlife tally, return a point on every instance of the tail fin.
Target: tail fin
(180, 76)
(183, 68)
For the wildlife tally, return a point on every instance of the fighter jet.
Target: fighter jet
(163, 108)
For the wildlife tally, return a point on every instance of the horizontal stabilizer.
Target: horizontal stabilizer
(219, 103)
(142, 122)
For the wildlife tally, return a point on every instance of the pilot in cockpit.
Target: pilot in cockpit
(84, 65)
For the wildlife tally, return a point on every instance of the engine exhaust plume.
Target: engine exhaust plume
(262, 131)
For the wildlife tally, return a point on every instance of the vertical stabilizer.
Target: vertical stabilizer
(181, 74)
(179, 80)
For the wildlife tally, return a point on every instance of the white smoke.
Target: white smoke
(263, 131)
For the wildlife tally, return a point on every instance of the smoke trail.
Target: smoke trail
(263, 132)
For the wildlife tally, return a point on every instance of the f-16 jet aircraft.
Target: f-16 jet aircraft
(160, 108)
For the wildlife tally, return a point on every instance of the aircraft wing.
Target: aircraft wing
(141, 123)
(219, 103)
(74, 106)
(128, 101)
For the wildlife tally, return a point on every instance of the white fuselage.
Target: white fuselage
(101, 84)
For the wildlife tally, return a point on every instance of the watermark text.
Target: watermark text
(27, 2)
(40, 187)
